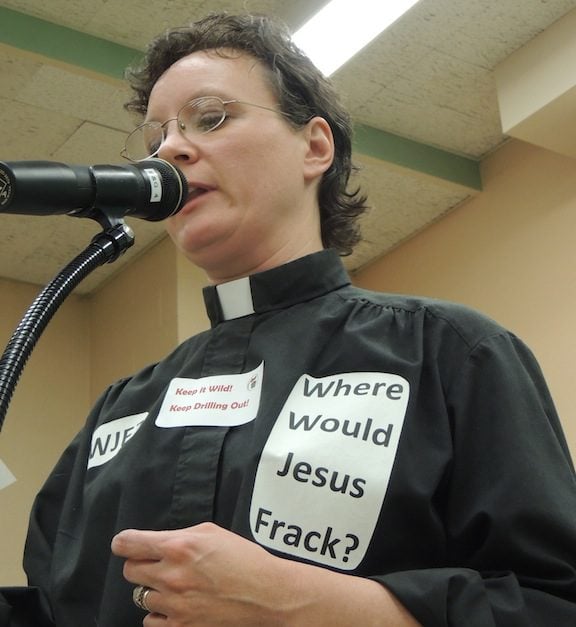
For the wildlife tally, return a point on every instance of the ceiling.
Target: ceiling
(423, 97)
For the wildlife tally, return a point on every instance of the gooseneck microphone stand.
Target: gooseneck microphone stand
(105, 247)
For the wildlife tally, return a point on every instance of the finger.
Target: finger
(137, 544)
(155, 620)
(143, 597)
(150, 598)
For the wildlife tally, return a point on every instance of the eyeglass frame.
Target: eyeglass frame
(161, 125)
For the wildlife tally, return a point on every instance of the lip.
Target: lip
(197, 192)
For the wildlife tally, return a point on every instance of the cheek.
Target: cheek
(180, 229)
(258, 159)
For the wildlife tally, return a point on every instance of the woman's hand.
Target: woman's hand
(205, 576)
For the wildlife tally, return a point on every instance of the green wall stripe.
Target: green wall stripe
(416, 156)
(64, 44)
(104, 57)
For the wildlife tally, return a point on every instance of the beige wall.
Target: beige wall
(511, 253)
(133, 317)
(48, 408)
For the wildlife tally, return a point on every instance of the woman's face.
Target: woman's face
(253, 180)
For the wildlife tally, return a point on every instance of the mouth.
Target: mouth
(195, 191)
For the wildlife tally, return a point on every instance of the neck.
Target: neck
(247, 264)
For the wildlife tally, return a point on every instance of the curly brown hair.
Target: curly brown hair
(302, 92)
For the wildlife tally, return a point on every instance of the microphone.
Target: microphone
(152, 189)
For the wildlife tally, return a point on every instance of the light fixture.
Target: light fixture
(343, 27)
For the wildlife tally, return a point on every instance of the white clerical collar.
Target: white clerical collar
(235, 298)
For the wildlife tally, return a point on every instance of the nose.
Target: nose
(176, 148)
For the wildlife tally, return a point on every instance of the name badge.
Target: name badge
(226, 400)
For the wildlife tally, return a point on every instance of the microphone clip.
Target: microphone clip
(114, 239)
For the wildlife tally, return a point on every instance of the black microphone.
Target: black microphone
(152, 189)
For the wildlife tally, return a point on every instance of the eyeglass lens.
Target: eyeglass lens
(195, 118)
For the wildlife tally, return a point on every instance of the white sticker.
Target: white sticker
(324, 471)
(109, 438)
(155, 185)
(225, 400)
(6, 477)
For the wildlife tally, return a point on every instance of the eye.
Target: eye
(201, 115)
(153, 146)
(151, 137)
(209, 119)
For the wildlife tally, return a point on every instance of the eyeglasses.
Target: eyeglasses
(197, 117)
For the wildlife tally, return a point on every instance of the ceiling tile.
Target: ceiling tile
(85, 98)
(91, 144)
(31, 132)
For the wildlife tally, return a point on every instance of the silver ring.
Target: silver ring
(139, 595)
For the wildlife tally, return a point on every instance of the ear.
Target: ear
(320, 148)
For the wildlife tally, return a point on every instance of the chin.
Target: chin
(201, 247)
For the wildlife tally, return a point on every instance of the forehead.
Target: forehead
(210, 72)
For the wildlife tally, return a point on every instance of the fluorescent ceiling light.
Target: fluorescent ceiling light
(343, 27)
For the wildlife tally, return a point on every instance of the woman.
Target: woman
(323, 455)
